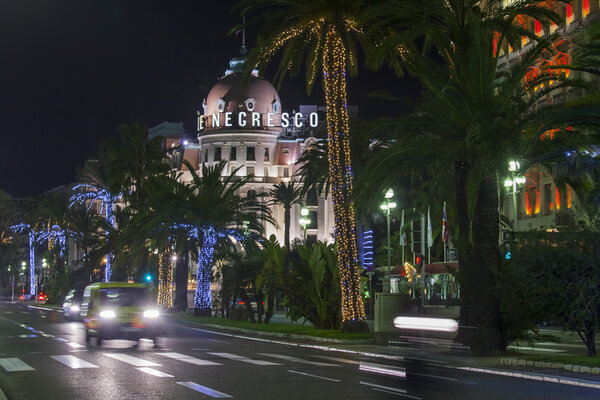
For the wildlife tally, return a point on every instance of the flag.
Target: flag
(402, 234)
(444, 226)
(429, 232)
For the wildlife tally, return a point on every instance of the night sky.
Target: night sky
(72, 71)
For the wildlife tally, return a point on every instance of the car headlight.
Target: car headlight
(107, 314)
(75, 308)
(151, 313)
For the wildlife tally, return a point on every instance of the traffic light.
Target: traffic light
(419, 260)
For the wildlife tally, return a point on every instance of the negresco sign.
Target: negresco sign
(255, 120)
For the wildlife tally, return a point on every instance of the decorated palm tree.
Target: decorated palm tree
(324, 34)
(469, 123)
(286, 195)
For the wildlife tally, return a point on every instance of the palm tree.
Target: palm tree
(324, 34)
(469, 123)
(286, 195)
(195, 217)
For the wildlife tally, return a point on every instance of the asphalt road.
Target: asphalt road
(43, 357)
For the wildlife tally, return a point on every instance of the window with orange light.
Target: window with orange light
(585, 8)
(569, 13)
(538, 28)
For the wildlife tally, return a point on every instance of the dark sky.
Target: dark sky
(71, 71)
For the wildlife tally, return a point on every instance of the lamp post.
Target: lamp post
(304, 221)
(513, 167)
(387, 206)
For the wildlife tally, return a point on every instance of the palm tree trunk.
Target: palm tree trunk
(181, 279)
(485, 311)
(203, 296)
(465, 278)
(286, 221)
(340, 175)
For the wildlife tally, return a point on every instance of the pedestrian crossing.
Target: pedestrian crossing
(12, 364)
(157, 364)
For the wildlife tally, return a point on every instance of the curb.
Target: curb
(540, 364)
(278, 335)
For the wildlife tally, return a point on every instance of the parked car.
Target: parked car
(120, 310)
(72, 305)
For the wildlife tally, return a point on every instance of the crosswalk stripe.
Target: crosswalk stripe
(75, 345)
(298, 360)
(244, 359)
(188, 359)
(15, 364)
(203, 389)
(154, 372)
(73, 362)
(136, 362)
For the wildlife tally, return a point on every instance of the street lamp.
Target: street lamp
(304, 221)
(513, 167)
(387, 206)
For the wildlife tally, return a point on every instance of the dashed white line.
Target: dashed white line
(313, 376)
(298, 360)
(203, 389)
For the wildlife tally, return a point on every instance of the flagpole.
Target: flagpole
(402, 241)
(444, 234)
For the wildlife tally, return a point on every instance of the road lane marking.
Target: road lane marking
(313, 376)
(399, 392)
(244, 359)
(14, 364)
(298, 360)
(188, 359)
(154, 372)
(342, 360)
(75, 345)
(218, 341)
(136, 362)
(8, 312)
(73, 362)
(59, 339)
(394, 393)
(203, 389)
(383, 369)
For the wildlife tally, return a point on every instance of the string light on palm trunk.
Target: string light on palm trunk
(165, 280)
(340, 173)
(202, 297)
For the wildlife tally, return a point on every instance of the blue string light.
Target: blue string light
(203, 297)
(368, 250)
(90, 193)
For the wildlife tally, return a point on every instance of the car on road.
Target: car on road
(72, 305)
(120, 310)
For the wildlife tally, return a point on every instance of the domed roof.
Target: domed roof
(229, 95)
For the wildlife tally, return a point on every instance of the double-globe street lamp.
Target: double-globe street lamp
(304, 221)
(387, 206)
(513, 167)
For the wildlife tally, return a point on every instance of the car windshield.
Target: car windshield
(125, 296)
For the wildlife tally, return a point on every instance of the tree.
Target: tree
(195, 216)
(310, 289)
(468, 123)
(286, 195)
(567, 263)
(324, 34)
